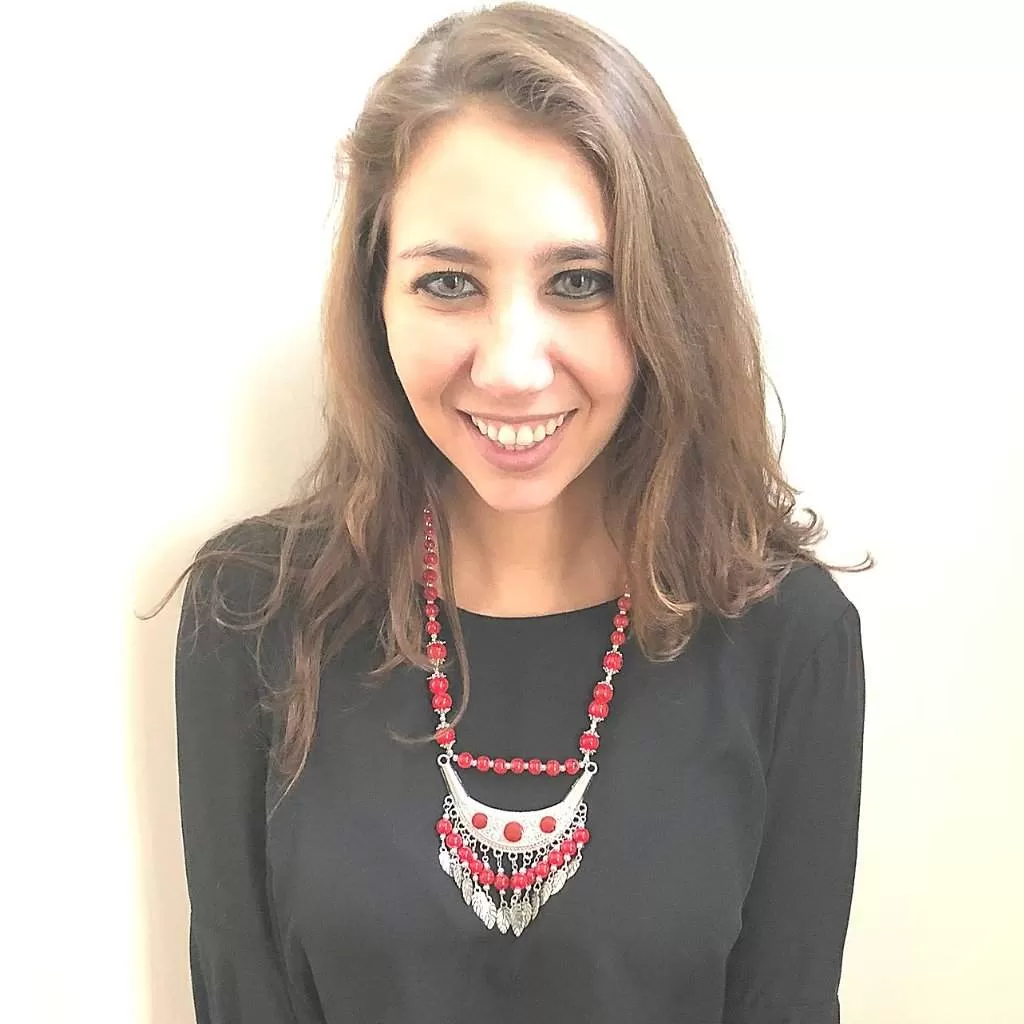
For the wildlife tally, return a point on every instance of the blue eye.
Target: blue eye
(583, 284)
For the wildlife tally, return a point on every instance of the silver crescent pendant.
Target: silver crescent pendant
(493, 832)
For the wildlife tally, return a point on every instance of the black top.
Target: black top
(715, 888)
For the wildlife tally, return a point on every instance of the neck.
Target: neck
(554, 559)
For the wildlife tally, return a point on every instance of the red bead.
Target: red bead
(555, 858)
(464, 760)
(430, 592)
(531, 876)
(436, 650)
(588, 741)
(568, 846)
(483, 763)
(453, 840)
(518, 881)
(438, 684)
(445, 736)
(625, 604)
(582, 836)
(444, 827)
(517, 765)
(487, 877)
(547, 824)
(430, 577)
(430, 558)
(542, 869)
(441, 701)
(618, 638)
(476, 866)
(613, 661)
(603, 692)
(501, 881)
(479, 820)
(572, 766)
(432, 627)
(621, 621)
(431, 610)
(535, 766)
(465, 854)
(553, 768)
(513, 831)
(500, 766)
(595, 710)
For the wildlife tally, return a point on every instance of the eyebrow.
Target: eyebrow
(561, 252)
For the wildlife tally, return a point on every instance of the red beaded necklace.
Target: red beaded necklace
(543, 849)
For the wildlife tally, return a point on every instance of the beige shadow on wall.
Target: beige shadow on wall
(274, 432)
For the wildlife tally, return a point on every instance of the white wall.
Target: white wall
(164, 207)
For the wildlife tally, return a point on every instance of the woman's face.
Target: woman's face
(499, 309)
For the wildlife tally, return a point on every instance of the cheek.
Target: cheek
(602, 362)
(426, 352)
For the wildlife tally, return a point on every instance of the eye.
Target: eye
(444, 284)
(581, 284)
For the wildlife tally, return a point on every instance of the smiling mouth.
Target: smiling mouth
(518, 437)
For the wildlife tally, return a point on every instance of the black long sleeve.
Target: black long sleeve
(237, 971)
(716, 888)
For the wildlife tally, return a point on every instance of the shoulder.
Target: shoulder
(805, 608)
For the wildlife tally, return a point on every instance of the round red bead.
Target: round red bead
(547, 824)
(517, 765)
(572, 766)
(438, 684)
(582, 836)
(436, 650)
(568, 846)
(431, 610)
(618, 638)
(445, 736)
(483, 763)
(487, 877)
(555, 857)
(588, 741)
(542, 869)
(625, 604)
(501, 881)
(465, 854)
(430, 592)
(535, 766)
(479, 820)
(433, 628)
(430, 577)
(595, 710)
(553, 768)
(444, 827)
(430, 558)
(513, 831)
(453, 840)
(518, 881)
(476, 866)
(500, 766)
(613, 661)
(531, 876)
(621, 621)
(464, 760)
(441, 701)
(603, 692)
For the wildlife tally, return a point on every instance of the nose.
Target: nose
(511, 356)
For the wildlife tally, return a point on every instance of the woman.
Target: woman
(548, 465)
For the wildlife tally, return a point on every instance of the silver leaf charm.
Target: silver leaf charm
(558, 879)
(446, 862)
(484, 908)
(545, 891)
(503, 920)
(520, 915)
(572, 867)
(467, 888)
(535, 903)
(457, 871)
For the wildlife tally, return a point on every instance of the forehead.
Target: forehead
(485, 183)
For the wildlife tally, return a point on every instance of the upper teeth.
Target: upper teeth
(523, 435)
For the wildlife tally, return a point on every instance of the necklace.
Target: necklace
(526, 857)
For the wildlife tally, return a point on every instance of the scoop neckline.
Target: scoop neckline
(484, 617)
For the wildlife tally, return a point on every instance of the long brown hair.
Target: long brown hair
(693, 467)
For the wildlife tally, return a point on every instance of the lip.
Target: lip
(512, 461)
(517, 420)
